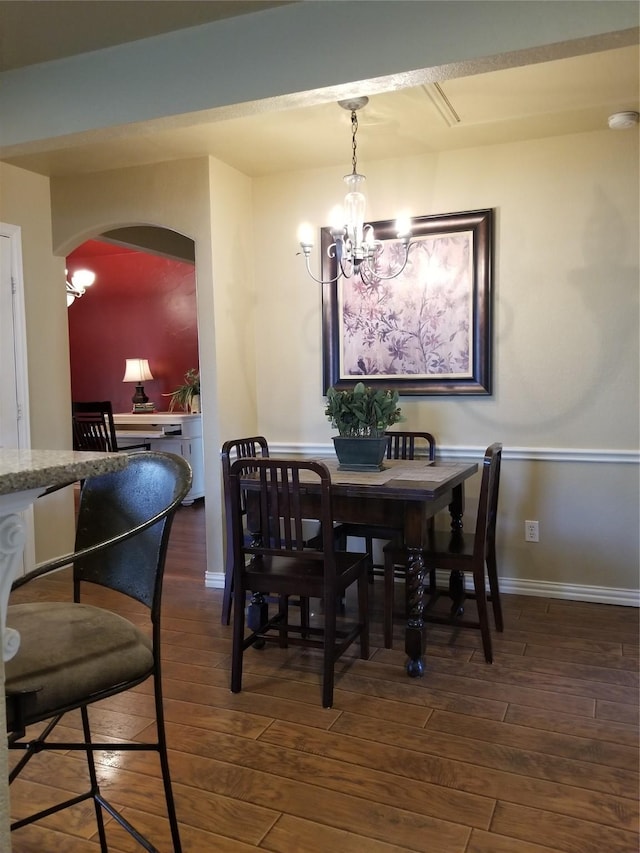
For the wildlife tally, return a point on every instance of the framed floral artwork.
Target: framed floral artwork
(427, 331)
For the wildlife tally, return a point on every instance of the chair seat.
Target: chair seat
(68, 652)
(290, 570)
(445, 543)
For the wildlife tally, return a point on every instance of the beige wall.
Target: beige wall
(566, 337)
(211, 204)
(25, 202)
(566, 288)
(234, 301)
(566, 326)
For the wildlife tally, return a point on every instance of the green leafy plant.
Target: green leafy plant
(362, 411)
(183, 396)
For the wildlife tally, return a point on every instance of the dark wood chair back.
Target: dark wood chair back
(401, 444)
(275, 560)
(485, 535)
(94, 428)
(408, 445)
(280, 528)
(252, 447)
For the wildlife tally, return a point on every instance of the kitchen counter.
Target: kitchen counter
(22, 470)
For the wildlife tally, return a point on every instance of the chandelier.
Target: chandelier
(354, 246)
(77, 284)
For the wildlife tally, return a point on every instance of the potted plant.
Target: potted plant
(361, 415)
(187, 395)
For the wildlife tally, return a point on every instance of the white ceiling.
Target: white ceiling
(549, 98)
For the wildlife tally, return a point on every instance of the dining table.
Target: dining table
(404, 494)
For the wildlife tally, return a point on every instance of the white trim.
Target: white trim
(550, 454)
(214, 580)
(571, 592)
(550, 589)
(519, 586)
(546, 454)
(14, 234)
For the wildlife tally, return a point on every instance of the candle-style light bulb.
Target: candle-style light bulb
(305, 235)
(403, 227)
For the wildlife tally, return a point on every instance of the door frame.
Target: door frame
(21, 378)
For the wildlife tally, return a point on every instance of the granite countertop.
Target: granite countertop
(21, 470)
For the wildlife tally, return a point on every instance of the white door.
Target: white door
(8, 390)
(14, 399)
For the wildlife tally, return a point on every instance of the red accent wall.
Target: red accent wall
(140, 306)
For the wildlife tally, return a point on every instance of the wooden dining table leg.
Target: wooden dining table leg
(456, 508)
(414, 642)
(456, 578)
(415, 532)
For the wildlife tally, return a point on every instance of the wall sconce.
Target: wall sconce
(137, 370)
(77, 284)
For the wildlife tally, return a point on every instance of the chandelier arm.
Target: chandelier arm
(320, 280)
(76, 291)
(344, 272)
(393, 275)
(365, 273)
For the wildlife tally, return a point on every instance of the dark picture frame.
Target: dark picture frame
(428, 331)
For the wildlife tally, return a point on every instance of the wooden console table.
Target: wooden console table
(173, 432)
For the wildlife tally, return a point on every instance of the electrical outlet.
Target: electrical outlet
(531, 532)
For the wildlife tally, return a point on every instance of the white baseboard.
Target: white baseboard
(518, 586)
(565, 591)
(571, 592)
(214, 580)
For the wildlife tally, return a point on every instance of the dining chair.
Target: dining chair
(401, 444)
(277, 560)
(74, 654)
(253, 447)
(458, 552)
(94, 428)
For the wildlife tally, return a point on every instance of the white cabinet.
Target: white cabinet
(169, 431)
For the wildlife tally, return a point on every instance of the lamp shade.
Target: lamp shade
(137, 370)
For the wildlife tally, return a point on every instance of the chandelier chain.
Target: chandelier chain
(354, 130)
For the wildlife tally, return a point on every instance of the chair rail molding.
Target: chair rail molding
(522, 586)
(544, 454)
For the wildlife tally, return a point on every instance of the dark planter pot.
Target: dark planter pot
(360, 454)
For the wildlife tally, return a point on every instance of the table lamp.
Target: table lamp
(137, 370)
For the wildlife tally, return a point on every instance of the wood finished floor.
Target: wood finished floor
(537, 753)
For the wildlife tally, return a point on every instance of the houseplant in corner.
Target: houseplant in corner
(361, 415)
(187, 395)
